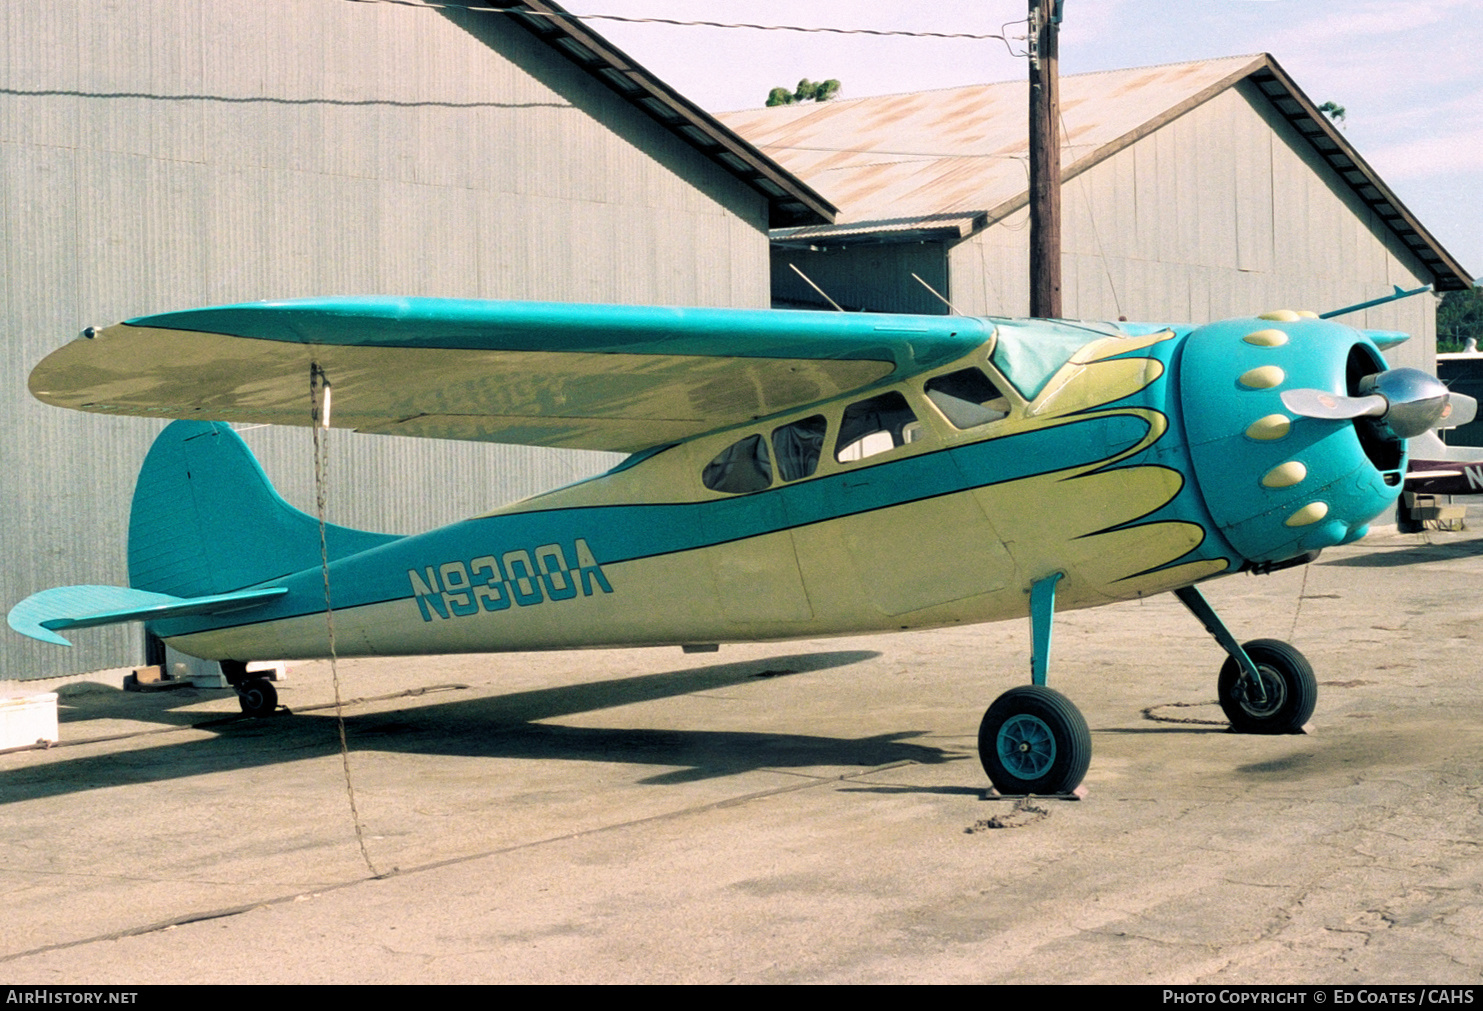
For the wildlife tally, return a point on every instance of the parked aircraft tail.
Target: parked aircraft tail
(205, 519)
(206, 531)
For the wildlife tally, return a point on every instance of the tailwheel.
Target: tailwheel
(257, 697)
(1033, 740)
(1287, 681)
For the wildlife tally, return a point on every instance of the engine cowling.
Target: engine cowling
(1278, 483)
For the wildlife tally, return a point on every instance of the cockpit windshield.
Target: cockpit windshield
(1029, 352)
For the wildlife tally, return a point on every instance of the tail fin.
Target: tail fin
(205, 519)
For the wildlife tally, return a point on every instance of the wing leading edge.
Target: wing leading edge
(620, 378)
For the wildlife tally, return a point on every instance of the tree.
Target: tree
(823, 91)
(1459, 316)
(807, 91)
(1333, 110)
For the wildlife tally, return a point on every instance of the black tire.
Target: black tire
(1033, 740)
(258, 697)
(1292, 691)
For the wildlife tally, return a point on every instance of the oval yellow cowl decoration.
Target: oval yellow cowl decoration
(1285, 475)
(1263, 377)
(1273, 426)
(1310, 513)
(1266, 338)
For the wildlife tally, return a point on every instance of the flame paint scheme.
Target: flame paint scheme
(793, 475)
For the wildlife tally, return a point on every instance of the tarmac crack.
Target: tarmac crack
(104, 876)
(1160, 941)
(1254, 884)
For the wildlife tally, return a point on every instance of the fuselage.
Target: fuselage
(1439, 469)
(930, 501)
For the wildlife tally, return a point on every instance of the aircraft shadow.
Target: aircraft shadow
(104, 702)
(941, 791)
(1164, 728)
(1412, 555)
(502, 726)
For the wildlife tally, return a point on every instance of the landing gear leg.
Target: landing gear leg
(1266, 686)
(1032, 739)
(256, 695)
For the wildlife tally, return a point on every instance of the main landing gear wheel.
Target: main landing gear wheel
(1291, 690)
(257, 697)
(1033, 740)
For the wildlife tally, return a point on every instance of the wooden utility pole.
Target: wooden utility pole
(1045, 160)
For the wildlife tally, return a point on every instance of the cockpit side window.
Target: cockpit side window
(797, 447)
(877, 425)
(967, 398)
(744, 466)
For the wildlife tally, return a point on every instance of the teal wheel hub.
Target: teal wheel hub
(1026, 746)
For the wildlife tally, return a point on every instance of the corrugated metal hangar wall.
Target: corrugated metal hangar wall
(157, 155)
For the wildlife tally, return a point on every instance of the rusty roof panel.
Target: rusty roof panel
(895, 164)
(910, 156)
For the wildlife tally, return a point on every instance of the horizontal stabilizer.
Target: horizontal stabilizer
(86, 606)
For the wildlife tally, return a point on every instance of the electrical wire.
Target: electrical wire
(1086, 198)
(569, 16)
(926, 155)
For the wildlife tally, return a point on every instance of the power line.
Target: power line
(568, 16)
(926, 155)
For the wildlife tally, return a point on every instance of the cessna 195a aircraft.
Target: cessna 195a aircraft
(793, 475)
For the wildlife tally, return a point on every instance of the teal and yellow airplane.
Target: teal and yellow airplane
(792, 475)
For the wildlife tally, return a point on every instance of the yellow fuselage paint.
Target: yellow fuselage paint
(966, 556)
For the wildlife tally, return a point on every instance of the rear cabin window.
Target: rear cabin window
(798, 446)
(741, 467)
(874, 426)
(967, 398)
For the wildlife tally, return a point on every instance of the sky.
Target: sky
(1409, 74)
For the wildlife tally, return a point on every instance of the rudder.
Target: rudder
(206, 520)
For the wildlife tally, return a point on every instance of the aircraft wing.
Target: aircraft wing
(622, 378)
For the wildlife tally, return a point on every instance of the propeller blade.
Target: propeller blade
(1460, 410)
(1332, 406)
(1405, 402)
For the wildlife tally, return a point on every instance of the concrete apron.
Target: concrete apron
(796, 812)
